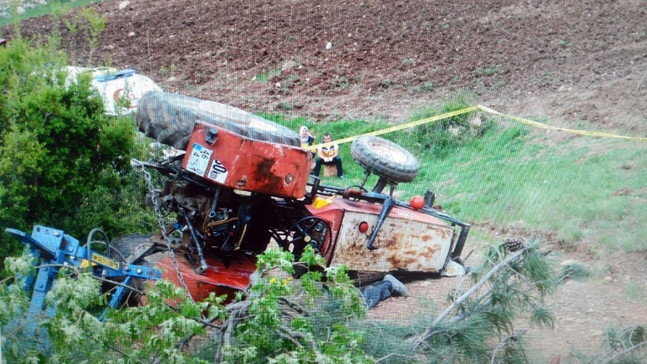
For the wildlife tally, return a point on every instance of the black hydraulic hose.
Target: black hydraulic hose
(214, 204)
(194, 237)
(89, 242)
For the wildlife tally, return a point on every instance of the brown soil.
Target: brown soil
(570, 62)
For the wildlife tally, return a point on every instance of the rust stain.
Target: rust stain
(264, 179)
(432, 250)
(393, 260)
(263, 169)
(391, 243)
(410, 263)
(412, 253)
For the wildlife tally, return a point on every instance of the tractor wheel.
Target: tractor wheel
(170, 118)
(129, 249)
(384, 159)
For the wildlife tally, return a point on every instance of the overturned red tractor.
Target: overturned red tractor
(236, 183)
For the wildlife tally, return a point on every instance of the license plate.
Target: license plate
(199, 159)
(105, 261)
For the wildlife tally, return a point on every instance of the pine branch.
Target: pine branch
(515, 336)
(632, 348)
(468, 293)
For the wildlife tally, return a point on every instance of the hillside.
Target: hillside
(567, 61)
(577, 64)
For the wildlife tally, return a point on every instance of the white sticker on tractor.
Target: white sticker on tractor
(199, 159)
(218, 172)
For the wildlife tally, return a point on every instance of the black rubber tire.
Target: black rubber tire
(129, 248)
(384, 158)
(169, 118)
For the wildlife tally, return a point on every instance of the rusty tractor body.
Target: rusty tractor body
(240, 183)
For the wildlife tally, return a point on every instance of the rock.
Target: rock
(596, 333)
(454, 131)
(288, 65)
(123, 5)
(476, 121)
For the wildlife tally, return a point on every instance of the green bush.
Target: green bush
(442, 137)
(62, 162)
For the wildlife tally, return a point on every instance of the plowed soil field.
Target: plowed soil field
(570, 62)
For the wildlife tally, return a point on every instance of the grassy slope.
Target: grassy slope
(52, 7)
(588, 190)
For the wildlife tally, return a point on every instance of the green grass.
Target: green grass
(507, 177)
(264, 77)
(635, 292)
(53, 6)
(589, 191)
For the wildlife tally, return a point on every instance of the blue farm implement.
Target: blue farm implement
(54, 250)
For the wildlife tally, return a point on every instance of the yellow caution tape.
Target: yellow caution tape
(470, 109)
(400, 127)
(550, 127)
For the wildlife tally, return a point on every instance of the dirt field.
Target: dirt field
(573, 63)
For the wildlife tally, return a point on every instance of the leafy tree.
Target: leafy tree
(278, 319)
(293, 321)
(62, 162)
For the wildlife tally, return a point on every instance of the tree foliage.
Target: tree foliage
(277, 320)
(316, 318)
(62, 162)
(294, 321)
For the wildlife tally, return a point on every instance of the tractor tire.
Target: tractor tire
(169, 118)
(129, 249)
(384, 159)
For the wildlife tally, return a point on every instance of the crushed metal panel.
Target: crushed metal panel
(402, 243)
(218, 278)
(245, 164)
